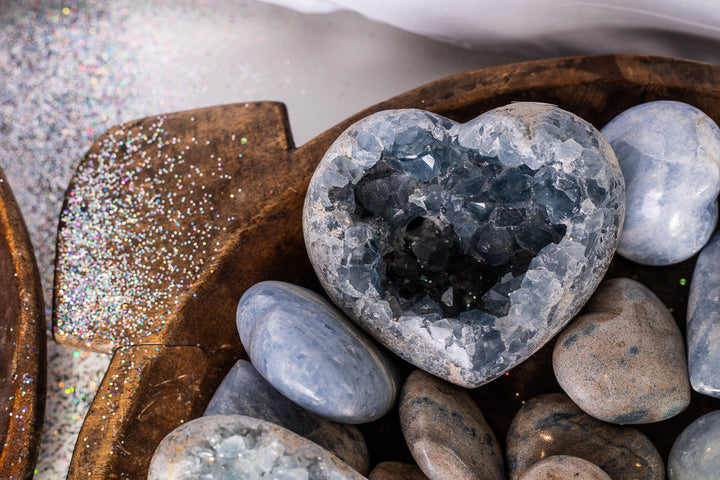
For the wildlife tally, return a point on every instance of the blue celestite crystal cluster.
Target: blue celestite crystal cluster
(236, 447)
(465, 247)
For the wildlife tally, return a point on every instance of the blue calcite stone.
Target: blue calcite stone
(703, 321)
(243, 391)
(695, 455)
(236, 447)
(464, 247)
(668, 152)
(313, 355)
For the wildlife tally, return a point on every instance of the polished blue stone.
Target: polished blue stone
(668, 152)
(464, 247)
(695, 455)
(243, 391)
(313, 355)
(703, 321)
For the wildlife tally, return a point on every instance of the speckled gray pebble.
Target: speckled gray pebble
(396, 471)
(695, 455)
(564, 467)
(703, 321)
(464, 248)
(669, 153)
(551, 424)
(236, 447)
(244, 392)
(446, 432)
(623, 361)
(312, 354)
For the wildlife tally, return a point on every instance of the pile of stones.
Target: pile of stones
(463, 249)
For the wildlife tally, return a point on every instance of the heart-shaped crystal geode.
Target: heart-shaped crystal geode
(464, 248)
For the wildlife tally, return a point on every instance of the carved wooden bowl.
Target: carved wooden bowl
(157, 381)
(23, 363)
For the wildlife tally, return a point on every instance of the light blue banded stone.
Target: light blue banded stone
(313, 355)
(695, 455)
(236, 447)
(703, 321)
(464, 248)
(243, 391)
(669, 153)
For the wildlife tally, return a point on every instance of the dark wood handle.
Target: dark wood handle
(147, 392)
(23, 363)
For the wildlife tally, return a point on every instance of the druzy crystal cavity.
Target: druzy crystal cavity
(464, 247)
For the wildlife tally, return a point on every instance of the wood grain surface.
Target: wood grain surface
(23, 363)
(198, 342)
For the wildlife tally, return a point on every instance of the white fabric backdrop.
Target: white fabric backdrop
(544, 28)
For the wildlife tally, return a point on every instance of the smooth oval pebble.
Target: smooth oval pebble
(695, 454)
(564, 467)
(551, 424)
(464, 248)
(236, 447)
(668, 152)
(396, 471)
(623, 361)
(703, 321)
(313, 355)
(446, 432)
(243, 391)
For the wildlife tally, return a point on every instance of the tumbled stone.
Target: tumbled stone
(396, 471)
(243, 391)
(551, 424)
(668, 152)
(695, 454)
(464, 247)
(313, 355)
(703, 321)
(446, 431)
(564, 467)
(236, 447)
(623, 360)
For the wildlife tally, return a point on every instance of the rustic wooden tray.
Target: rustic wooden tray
(156, 382)
(23, 363)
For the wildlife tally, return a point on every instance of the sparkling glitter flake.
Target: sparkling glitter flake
(141, 222)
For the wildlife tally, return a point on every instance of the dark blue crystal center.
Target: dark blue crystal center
(459, 229)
